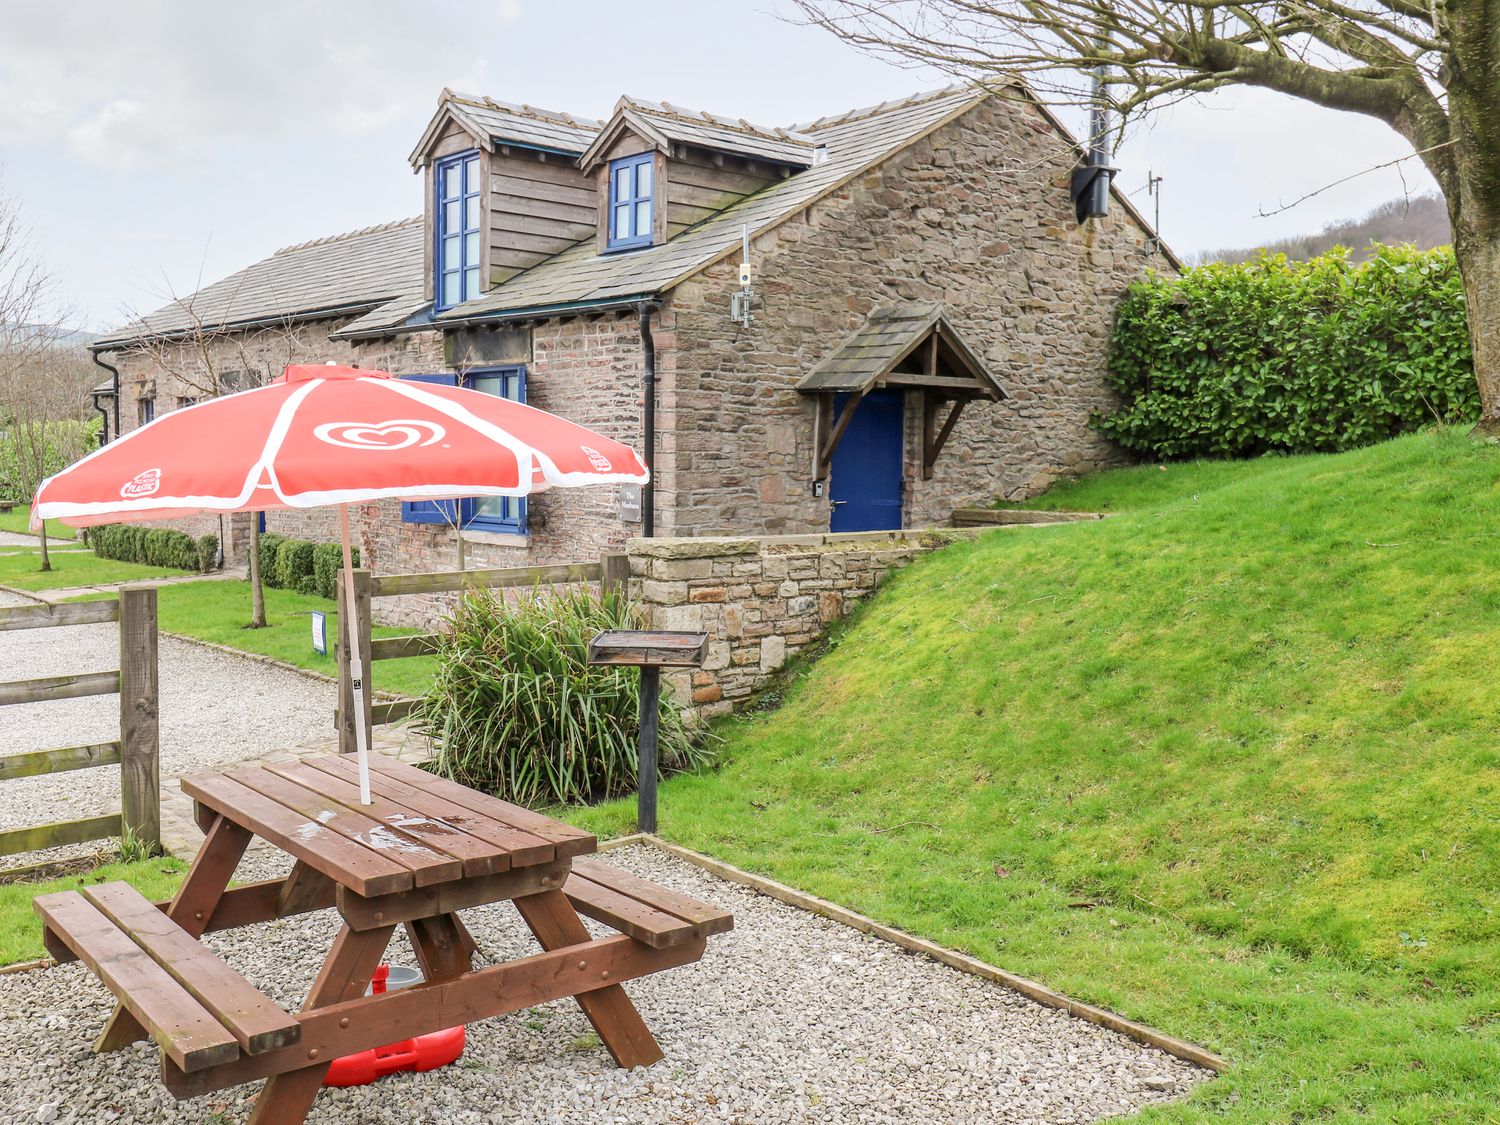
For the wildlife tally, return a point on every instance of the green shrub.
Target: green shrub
(208, 552)
(328, 566)
(270, 543)
(517, 711)
(294, 562)
(149, 546)
(1235, 360)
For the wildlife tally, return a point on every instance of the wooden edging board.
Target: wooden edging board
(1141, 1033)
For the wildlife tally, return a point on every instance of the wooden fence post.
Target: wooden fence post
(614, 573)
(140, 736)
(347, 742)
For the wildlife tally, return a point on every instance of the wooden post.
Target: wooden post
(140, 743)
(347, 743)
(614, 573)
(645, 797)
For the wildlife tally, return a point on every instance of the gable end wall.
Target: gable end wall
(976, 215)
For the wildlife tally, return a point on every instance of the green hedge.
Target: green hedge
(296, 564)
(1235, 360)
(154, 546)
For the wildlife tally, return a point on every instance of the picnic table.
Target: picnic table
(425, 849)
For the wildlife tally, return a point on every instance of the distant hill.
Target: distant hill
(1421, 220)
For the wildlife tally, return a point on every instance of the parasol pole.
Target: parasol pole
(356, 667)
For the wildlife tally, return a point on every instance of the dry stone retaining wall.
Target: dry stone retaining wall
(760, 599)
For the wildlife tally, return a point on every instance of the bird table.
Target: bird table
(424, 849)
(650, 651)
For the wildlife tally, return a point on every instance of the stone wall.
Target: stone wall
(761, 600)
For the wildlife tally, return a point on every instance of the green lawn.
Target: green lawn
(1228, 763)
(18, 519)
(21, 933)
(218, 611)
(71, 568)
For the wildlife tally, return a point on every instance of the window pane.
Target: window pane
(450, 252)
(487, 384)
(471, 213)
(451, 181)
(471, 248)
(643, 178)
(450, 288)
(471, 283)
(643, 217)
(622, 183)
(450, 217)
(622, 221)
(471, 174)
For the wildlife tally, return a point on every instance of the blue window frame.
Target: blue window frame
(503, 514)
(455, 251)
(630, 201)
(147, 410)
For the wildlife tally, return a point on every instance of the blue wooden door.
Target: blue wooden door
(865, 476)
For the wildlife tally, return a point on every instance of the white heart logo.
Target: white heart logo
(400, 433)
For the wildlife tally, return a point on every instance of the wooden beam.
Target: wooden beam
(48, 688)
(822, 421)
(365, 913)
(371, 1021)
(344, 717)
(67, 613)
(396, 648)
(39, 836)
(825, 454)
(930, 455)
(34, 763)
(445, 582)
(936, 383)
(140, 732)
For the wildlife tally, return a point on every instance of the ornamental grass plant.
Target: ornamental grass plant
(516, 710)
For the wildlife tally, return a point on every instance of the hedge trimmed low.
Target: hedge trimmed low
(1236, 360)
(296, 564)
(154, 546)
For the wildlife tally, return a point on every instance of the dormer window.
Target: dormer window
(456, 230)
(630, 201)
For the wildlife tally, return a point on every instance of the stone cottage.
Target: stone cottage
(856, 323)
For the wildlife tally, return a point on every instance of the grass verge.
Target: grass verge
(1225, 763)
(72, 568)
(18, 519)
(21, 932)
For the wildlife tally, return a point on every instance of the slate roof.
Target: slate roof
(380, 269)
(497, 122)
(343, 272)
(854, 142)
(883, 341)
(664, 122)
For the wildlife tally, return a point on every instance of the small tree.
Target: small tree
(205, 360)
(1427, 68)
(43, 385)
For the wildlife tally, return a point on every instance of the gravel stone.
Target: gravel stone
(788, 1018)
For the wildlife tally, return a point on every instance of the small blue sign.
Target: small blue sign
(320, 631)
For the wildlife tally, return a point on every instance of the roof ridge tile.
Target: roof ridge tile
(361, 232)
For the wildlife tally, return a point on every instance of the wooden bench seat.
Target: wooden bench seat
(199, 1010)
(647, 912)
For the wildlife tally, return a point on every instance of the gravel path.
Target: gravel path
(215, 709)
(789, 1018)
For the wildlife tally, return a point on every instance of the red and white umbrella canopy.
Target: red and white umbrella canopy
(331, 435)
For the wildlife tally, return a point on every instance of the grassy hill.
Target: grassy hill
(1228, 762)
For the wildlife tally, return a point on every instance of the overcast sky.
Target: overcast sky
(156, 145)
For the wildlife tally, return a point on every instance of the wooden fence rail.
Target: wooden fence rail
(137, 751)
(612, 571)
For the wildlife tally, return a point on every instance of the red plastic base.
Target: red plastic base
(425, 1052)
